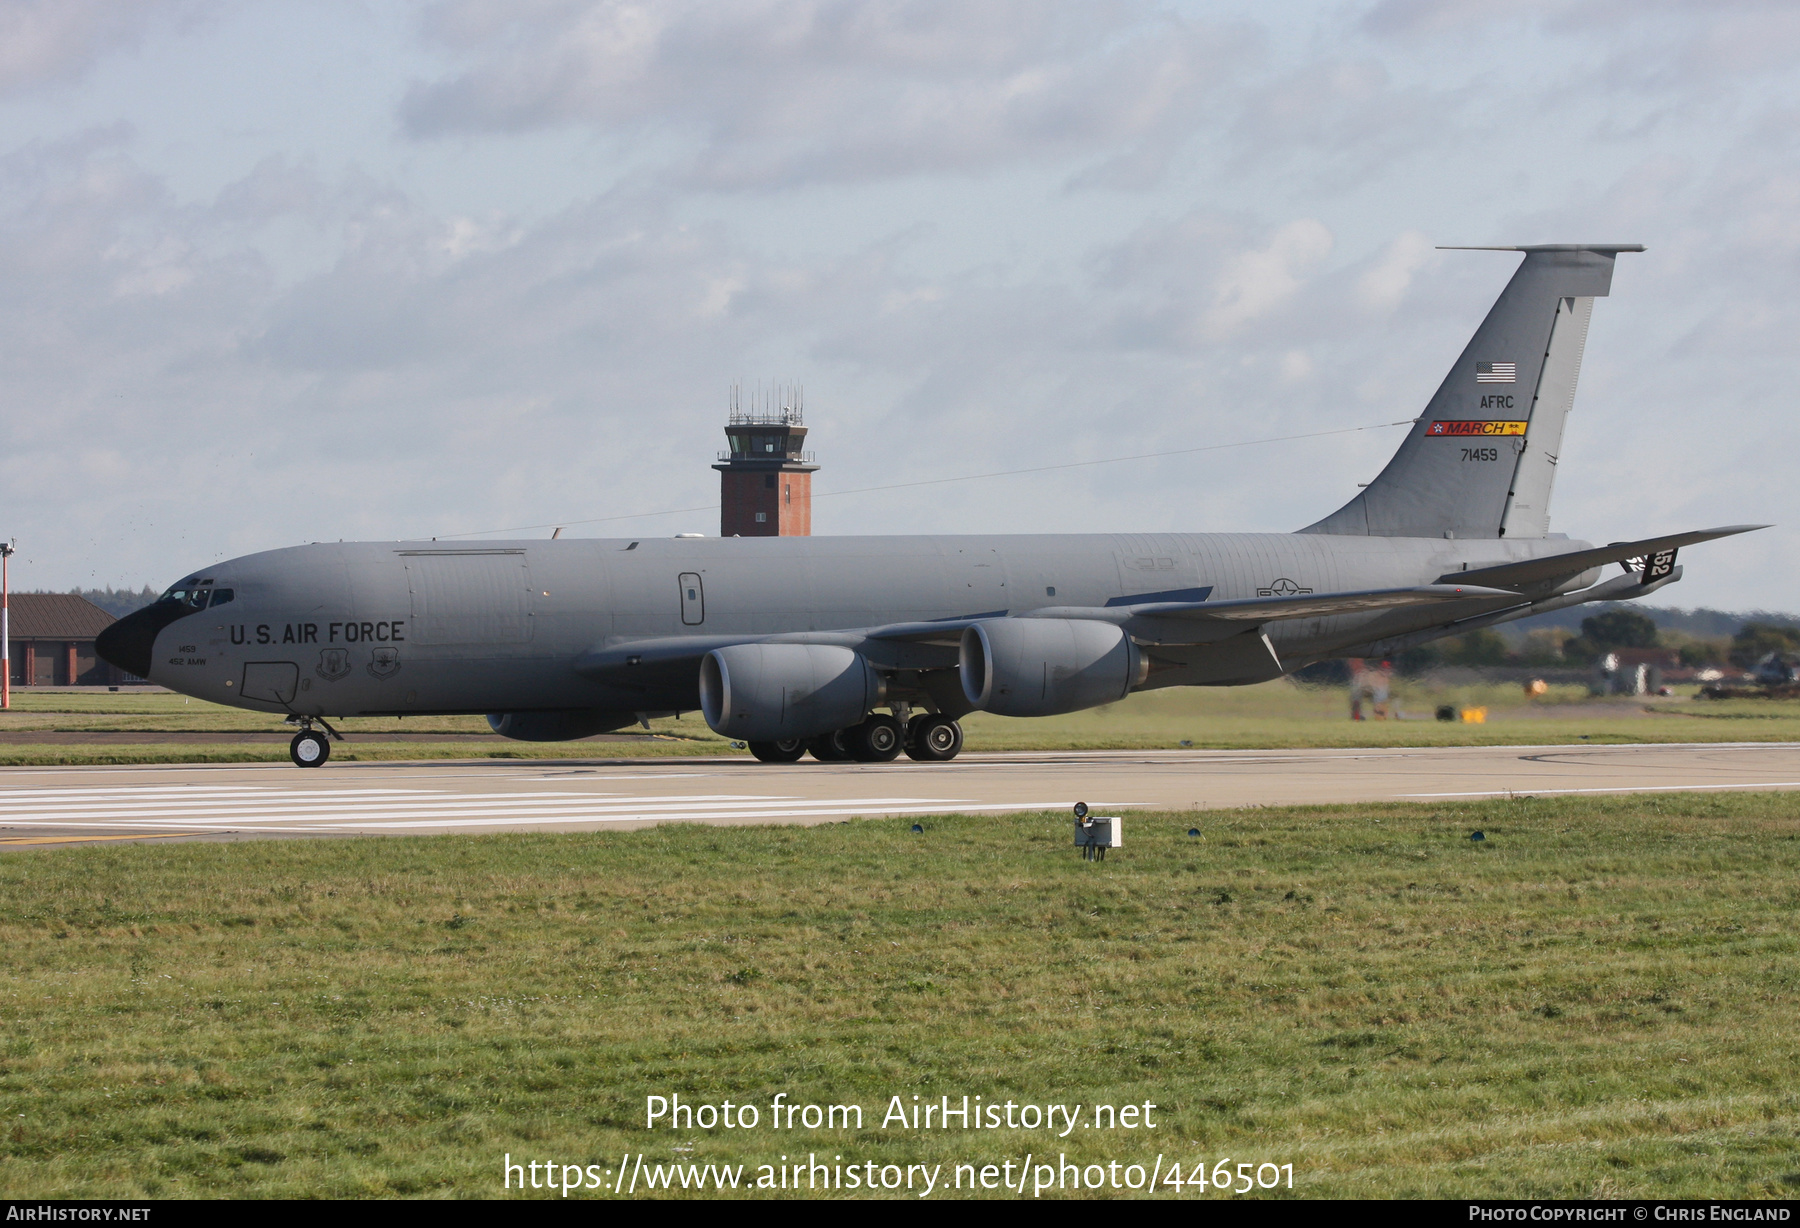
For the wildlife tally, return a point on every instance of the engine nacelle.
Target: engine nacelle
(1046, 666)
(770, 692)
(563, 726)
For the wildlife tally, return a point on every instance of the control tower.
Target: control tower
(765, 478)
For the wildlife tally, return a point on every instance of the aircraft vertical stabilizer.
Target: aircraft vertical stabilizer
(1528, 502)
(1481, 460)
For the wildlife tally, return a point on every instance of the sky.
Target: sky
(356, 269)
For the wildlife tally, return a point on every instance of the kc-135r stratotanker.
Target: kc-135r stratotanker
(795, 643)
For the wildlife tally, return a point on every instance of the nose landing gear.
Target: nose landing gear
(310, 748)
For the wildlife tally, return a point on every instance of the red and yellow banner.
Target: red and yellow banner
(1475, 428)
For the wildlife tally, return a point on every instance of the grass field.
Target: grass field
(1277, 714)
(1602, 998)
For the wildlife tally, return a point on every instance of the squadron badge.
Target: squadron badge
(334, 663)
(384, 662)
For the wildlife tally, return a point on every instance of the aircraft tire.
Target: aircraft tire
(788, 750)
(879, 739)
(830, 747)
(935, 738)
(309, 748)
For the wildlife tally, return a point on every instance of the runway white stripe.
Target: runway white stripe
(823, 811)
(1536, 792)
(413, 801)
(494, 806)
(273, 809)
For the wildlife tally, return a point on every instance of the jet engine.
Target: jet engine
(563, 726)
(1046, 666)
(772, 692)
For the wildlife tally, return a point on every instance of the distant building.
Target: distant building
(53, 641)
(765, 478)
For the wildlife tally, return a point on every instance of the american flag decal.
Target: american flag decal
(1496, 372)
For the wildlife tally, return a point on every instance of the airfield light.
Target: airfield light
(1095, 833)
(6, 553)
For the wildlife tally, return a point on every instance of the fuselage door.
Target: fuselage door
(693, 599)
(978, 581)
(270, 682)
(470, 597)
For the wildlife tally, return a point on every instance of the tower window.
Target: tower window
(762, 518)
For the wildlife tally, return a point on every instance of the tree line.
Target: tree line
(1602, 634)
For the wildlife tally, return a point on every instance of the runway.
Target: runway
(51, 807)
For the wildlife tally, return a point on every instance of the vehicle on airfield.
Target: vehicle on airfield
(792, 644)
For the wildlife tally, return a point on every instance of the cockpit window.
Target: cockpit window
(221, 596)
(189, 595)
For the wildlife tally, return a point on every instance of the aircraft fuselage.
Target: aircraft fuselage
(430, 627)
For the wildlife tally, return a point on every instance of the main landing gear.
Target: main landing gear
(310, 748)
(788, 750)
(927, 737)
(933, 738)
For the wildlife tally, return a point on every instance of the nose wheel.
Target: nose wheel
(310, 748)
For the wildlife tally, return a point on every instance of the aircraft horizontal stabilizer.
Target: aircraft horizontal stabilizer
(1563, 566)
(1620, 588)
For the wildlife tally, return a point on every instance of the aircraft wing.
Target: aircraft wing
(1306, 605)
(1562, 566)
(1201, 622)
(923, 645)
(638, 664)
(933, 644)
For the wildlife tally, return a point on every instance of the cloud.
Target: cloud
(1338, 121)
(788, 91)
(57, 40)
(184, 386)
(1255, 282)
(1384, 284)
(1653, 47)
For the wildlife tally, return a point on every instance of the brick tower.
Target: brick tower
(765, 479)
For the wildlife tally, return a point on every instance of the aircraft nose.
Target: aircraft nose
(131, 642)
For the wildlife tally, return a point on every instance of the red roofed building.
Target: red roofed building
(53, 641)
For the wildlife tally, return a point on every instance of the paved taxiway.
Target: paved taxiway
(51, 806)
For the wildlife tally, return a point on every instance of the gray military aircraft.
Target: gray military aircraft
(792, 644)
